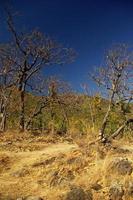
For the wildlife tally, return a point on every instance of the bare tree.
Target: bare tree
(32, 52)
(53, 93)
(6, 83)
(58, 90)
(40, 91)
(116, 78)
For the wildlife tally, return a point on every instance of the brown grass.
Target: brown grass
(48, 166)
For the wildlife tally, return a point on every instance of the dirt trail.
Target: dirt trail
(29, 157)
(52, 149)
(20, 159)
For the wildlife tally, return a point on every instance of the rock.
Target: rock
(116, 193)
(89, 195)
(9, 142)
(20, 198)
(33, 198)
(120, 166)
(129, 189)
(96, 186)
(78, 193)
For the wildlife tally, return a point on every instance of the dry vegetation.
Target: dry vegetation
(52, 167)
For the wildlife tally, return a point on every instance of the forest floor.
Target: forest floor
(57, 168)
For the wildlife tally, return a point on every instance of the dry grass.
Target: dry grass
(48, 166)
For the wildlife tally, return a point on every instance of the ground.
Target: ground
(51, 167)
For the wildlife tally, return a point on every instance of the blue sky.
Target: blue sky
(88, 26)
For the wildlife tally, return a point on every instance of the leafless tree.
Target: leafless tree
(116, 78)
(53, 93)
(6, 83)
(32, 52)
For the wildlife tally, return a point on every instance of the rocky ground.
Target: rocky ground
(53, 168)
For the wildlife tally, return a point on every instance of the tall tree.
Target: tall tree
(116, 79)
(7, 81)
(32, 52)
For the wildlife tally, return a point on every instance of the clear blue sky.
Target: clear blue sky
(89, 26)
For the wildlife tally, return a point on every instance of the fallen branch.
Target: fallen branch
(104, 140)
(120, 129)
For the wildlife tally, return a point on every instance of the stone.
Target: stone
(116, 193)
(120, 166)
(96, 187)
(33, 198)
(129, 189)
(20, 198)
(78, 193)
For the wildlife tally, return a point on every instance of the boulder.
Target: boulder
(129, 189)
(116, 192)
(78, 193)
(96, 187)
(20, 198)
(33, 198)
(120, 166)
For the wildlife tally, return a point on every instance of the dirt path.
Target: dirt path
(21, 159)
(52, 149)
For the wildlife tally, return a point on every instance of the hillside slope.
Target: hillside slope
(62, 170)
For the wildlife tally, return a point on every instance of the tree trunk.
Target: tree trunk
(22, 111)
(3, 123)
(2, 116)
(105, 120)
(35, 114)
